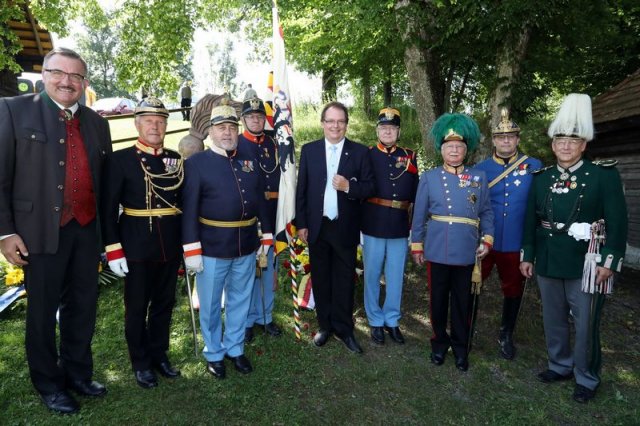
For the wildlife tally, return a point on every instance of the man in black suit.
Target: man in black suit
(51, 155)
(335, 176)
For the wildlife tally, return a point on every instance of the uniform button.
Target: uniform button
(61, 140)
(448, 199)
(148, 168)
(506, 204)
(393, 184)
(144, 159)
(239, 180)
(158, 205)
(61, 119)
(243, 190)
(506, 194)
(551, 235)
(506, 184)
(245, 202)
(61, 163)
(449, 207)
(447, 191)
(60, 187)
(75, 190)
(56, 209)
(394, 195)
(445, 184)
(267, 176)
(504, 214)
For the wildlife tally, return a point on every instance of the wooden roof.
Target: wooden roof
(36, 41)
(621, 101)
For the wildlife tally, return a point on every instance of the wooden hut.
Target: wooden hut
(36, 43)
(616, 116)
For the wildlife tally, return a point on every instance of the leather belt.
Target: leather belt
(228, 224)
(271, 195)
(456, 219)
(394, 204)
(169, 211)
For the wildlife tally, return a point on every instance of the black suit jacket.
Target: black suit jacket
(354, 165)
(32, 171)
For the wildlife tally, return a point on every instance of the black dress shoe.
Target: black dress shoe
(146, 378)
(550, 376)
(321, 337)
(87, 387)
(60, 402)
(273, 330)
(248, 334)
(377, 335)
(394, 333)
(583, 394)
(166, 370)
(437, 359)
(241, 363)
(217, 369)
(462, 363)
(351, 344)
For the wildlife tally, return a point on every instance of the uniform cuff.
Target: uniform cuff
(192, 249)
(417, 248)
(114, 252)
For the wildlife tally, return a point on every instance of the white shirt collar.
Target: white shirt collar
(328, 145)
(73, 108)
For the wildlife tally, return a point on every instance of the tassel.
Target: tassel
(476, 279)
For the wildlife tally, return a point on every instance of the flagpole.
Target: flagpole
(294, 291)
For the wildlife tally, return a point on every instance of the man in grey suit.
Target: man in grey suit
(335, 176)
(51, 154)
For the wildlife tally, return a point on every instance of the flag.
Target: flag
(279, 116)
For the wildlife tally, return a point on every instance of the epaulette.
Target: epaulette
(605, 163)
(538, 171)
(408, 151)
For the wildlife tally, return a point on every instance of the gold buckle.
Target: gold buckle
(396, 204)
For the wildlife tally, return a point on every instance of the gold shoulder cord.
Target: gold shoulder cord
(277, 159)
(153, 187)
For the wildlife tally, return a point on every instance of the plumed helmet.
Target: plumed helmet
(455, 127)
(151, 106)
(573, 118)
(254, 104)
(389, 115)
(506, 125)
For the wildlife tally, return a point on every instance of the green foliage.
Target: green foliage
(9, 42)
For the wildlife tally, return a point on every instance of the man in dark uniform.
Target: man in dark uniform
(143, 244)
(51, 154)
(569, 205)
(510, 174)
(266, 156)
(223, 201)
(385, 226)
(452, 230)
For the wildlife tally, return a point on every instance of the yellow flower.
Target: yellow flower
(15, 276)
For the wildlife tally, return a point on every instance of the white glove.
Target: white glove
(262, 251)
(580, 231)
(194, 263)
(119, 266)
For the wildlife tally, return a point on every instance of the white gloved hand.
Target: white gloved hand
(119, 266)
(194, 263)
(580, 231)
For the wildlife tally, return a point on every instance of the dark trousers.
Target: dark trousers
(67, 280)
(149, 297)
(333, 274)
(185, 103)
(450, 285)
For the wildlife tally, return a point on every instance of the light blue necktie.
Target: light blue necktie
(330, 194)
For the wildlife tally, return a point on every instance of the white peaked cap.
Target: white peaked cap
(573, 118)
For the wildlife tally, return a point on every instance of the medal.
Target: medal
(266, 153)
(573, 178)
(573, 185)
(472, 198)
(564, 176)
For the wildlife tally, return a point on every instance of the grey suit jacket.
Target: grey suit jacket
(32, 169)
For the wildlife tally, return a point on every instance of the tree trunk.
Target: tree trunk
(366, 92)
(387, 92)
(329, 86)
(421, 68)
(509, 58)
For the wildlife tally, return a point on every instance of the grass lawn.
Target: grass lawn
(297, 383)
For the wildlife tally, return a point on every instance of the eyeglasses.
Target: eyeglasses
(60, 75)
(568, 142)
(340, 123)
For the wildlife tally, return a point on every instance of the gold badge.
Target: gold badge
(473, 198)
(255, 103)
(573, 185)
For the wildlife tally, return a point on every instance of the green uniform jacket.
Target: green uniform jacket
(587, 193)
